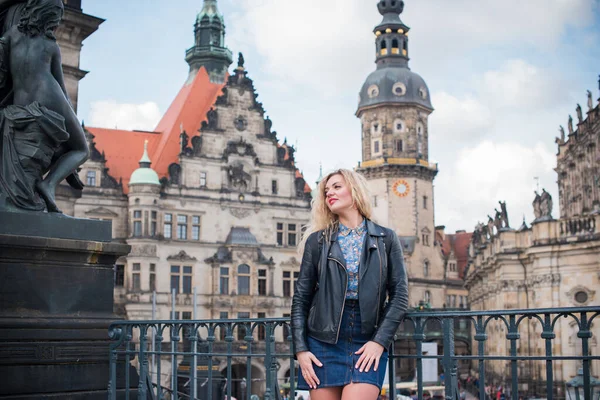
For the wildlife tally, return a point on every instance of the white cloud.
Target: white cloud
(492, 171)
(110, 114)
(520, 84)
(458, 120)
(329, 44)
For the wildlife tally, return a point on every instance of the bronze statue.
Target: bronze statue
(40, 133)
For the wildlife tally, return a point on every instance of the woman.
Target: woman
(341, 323)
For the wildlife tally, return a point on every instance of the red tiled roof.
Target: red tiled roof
(459, 243)
(188, 110)
(123, 149)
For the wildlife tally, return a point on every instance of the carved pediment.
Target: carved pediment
(101, 211)
(181, 256)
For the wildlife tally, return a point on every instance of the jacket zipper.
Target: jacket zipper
(337, 336)
(378, 287)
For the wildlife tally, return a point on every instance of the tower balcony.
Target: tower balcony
(377, 162)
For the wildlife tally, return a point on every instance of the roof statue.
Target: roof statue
(241, 60)
(542, 206)
(42, 140)
(590, 102)
(570, 125)
(579, 113)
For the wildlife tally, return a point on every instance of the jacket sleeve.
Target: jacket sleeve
(304, 293)
(397, 287)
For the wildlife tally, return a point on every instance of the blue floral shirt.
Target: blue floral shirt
(351, 242)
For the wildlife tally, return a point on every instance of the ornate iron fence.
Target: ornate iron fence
(213, 359)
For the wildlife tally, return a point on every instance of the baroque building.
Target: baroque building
(552, 263)
(394, 107)
(210, 201)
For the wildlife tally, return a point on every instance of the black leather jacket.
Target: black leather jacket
(320, 291)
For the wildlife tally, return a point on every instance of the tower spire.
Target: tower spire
(209, 50)
(392, 35)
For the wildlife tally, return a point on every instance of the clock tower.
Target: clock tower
(394, 107)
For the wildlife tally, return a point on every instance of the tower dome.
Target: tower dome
(144, 175)
(393, 82)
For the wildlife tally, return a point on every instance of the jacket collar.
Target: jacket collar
(373, 230)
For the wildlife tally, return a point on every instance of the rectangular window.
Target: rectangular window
(202, 179)
(376, 146)
(223, 328)
(262, 334)
(241, 329)
(448, 300)
(425, 202)
(425, 239)
(280, 234)
(175, 271)
(287, 284)
(168, 226)
(195, 227)
(292, 235)
(187, 279)
(91, 178)
(262, 282)
(274, 186)
(374, 201)
(136, 283)
(399, 146)
(224, 281)
(137, 223)
(119, 275)
(186, 315)
(243, 280)
(182, 227)
(153, 224)
(152, 281)
(296, 275)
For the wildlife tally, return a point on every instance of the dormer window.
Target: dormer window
(90, 178)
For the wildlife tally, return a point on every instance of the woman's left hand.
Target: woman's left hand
(369, 356)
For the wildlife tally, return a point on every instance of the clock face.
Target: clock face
(401, 188)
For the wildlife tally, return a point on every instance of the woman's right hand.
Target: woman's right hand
(306, 360)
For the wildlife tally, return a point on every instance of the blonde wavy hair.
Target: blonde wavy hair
(323, 218)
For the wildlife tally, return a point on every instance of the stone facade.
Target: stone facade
(553, 263)
(578, 164)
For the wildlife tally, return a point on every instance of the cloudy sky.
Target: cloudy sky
(503, 76)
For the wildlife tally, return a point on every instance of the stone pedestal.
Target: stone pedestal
(56, 303)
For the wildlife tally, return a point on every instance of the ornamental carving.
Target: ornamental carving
(143, 250)
(181, 256)
(239, 212)
(238, 178)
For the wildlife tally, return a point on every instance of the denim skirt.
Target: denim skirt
(339, 359)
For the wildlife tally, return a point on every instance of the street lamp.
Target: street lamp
(575, 387)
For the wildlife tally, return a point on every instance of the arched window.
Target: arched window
(383, 45)
(243, 279)
(427, 296)
(395, 44)
(426, 268)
